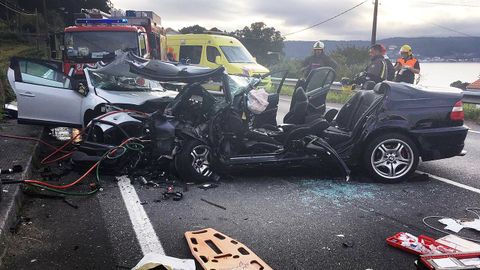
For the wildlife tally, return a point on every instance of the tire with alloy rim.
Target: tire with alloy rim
(391, 158)
(193, 163)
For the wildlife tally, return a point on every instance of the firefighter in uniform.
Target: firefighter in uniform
(407, 66)
(380, 69)
(318, 59)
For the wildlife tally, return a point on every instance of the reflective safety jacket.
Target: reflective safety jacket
(405, 75)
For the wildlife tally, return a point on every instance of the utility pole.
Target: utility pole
(45, 15)
(374, 27)
(37, 29)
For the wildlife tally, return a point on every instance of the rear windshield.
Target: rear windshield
(237, 54)
(98, 45)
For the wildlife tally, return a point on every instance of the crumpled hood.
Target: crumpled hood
(134, 98)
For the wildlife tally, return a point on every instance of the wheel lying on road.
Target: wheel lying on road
(193, 163)
(391, 158)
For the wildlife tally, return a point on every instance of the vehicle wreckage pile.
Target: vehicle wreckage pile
(199, 134)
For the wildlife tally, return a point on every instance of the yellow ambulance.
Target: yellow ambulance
(212, 51)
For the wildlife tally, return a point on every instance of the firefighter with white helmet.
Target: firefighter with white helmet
(318, 59)
(407, 65)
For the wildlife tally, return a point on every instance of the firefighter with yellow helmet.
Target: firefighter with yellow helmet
(407, 65)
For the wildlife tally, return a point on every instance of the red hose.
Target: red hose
(67, 154)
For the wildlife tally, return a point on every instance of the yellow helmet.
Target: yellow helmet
(406, 49)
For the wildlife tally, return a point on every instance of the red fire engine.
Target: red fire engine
(96, 39)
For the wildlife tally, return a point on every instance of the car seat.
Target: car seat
(298, 108)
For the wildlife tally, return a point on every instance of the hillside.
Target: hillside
(424, 47)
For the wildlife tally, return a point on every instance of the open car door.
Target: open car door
(45, 95)
(317, 86)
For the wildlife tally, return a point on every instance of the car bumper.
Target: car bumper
(441, 143)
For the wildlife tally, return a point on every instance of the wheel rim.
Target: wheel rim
(201, 160)
(392, 159)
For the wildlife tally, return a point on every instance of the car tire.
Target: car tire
(193, 162)
(391, 158)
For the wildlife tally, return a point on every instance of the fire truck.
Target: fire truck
(97, 36)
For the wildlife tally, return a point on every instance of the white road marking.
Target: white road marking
(474, 131)
(451, 182)
(147, 238)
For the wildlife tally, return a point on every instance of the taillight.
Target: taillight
(457, 112)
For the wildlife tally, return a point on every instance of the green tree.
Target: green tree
(259, 40)
(351, 60)
(194, 29)
(65, 8)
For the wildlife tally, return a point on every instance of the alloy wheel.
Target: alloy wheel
(392, 159)
(201, 160)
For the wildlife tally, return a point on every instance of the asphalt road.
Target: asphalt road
(292, 219)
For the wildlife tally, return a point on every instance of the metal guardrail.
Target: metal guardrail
(470, 97)
(336, 86)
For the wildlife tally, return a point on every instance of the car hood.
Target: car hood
(131, 97)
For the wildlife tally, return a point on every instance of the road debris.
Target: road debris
(14, 169)
(70, 203)
(215, 250)
(208, 186)
(456, 225)
(348, 244)
(159, 261)
(214, 204)
(176, 195)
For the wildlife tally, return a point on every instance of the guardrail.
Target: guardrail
(470, 97)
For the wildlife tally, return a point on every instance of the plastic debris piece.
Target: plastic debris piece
(154, 260)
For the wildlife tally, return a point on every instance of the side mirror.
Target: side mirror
(218, 59)
(81, 88)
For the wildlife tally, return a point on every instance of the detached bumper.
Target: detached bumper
(440, 143)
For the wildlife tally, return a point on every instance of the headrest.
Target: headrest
(368, 85)
(300, 94)
(381, 88)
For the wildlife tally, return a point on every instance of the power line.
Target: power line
(449, 4)
(15, 9)
(327, 20)
(450, 29)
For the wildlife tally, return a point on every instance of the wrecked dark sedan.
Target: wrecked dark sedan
(202, 133)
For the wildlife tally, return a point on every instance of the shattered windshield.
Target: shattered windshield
(97, 45)
(123, 83)
(237, 54)
(238, 84)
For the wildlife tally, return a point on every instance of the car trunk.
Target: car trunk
(427, 107)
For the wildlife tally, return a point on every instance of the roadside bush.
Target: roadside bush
(292, 65)
(472, 112)
(351, 60)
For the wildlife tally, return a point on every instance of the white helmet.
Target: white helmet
(318, 45)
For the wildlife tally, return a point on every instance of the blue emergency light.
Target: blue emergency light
(100, 21)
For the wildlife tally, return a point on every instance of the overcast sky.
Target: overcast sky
(397, 18)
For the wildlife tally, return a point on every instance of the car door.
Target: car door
(45, 95)
(317, 85)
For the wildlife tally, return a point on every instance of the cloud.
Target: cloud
(405, 18)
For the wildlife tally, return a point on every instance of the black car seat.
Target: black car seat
(356, 107)
(315, 127)
(298, 108)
